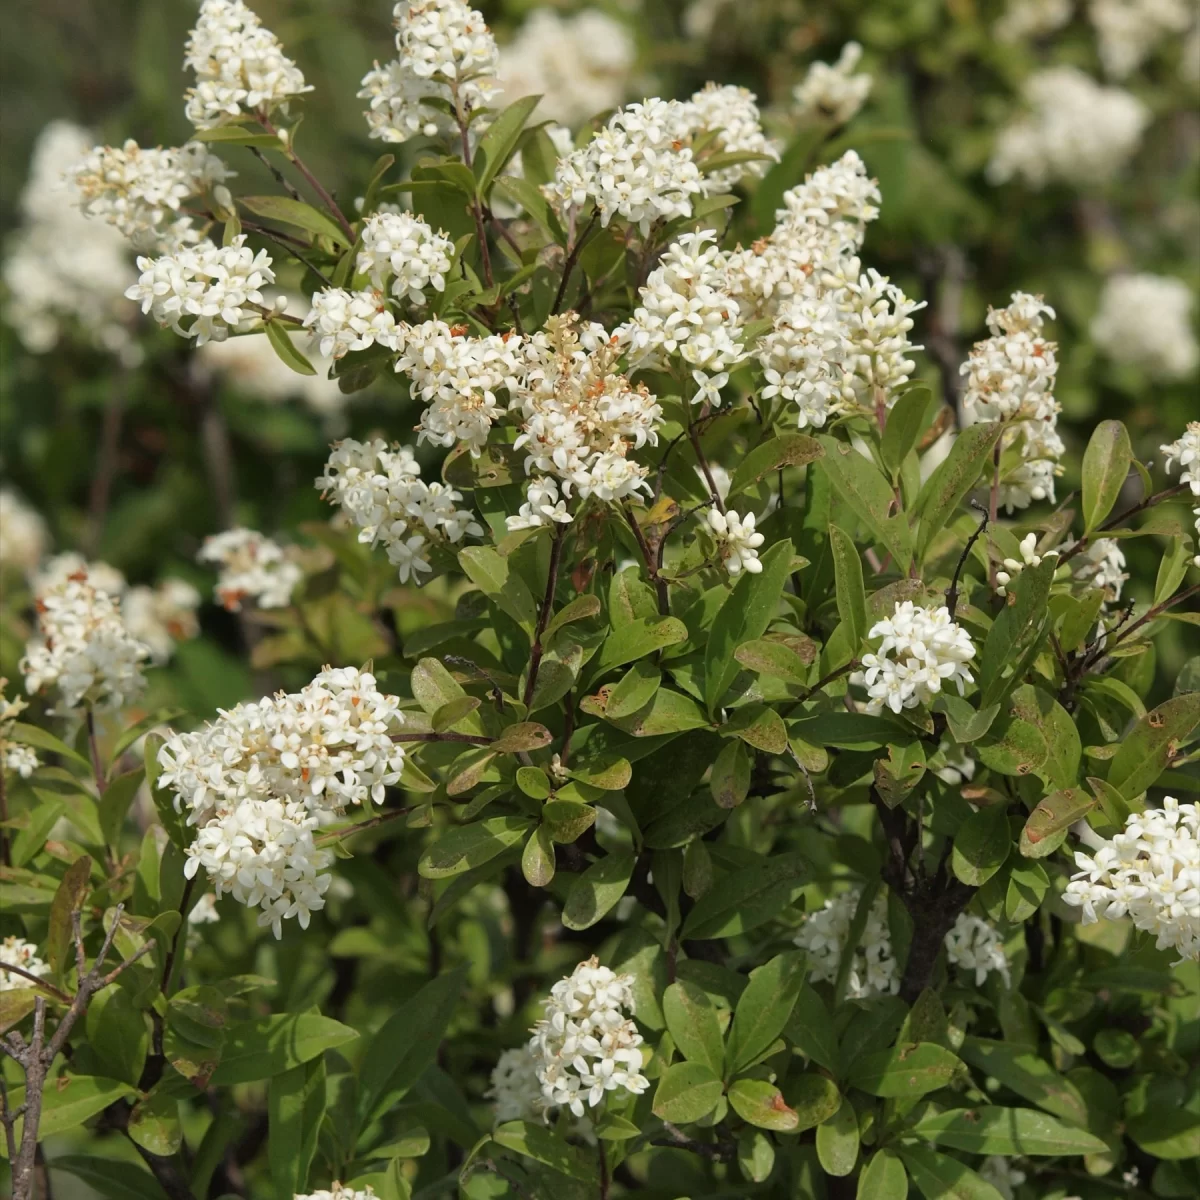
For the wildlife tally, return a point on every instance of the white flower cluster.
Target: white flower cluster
(586, 1045)
(920, 650)
(251, 567)
(380, 489)
(457, 378)
(1129, 31)
(23, 534)
(972, 944)
(1102, 565)
(446, 54)
(687, 311)
(1149, 872)
(737, 540)
(83, 648)
(579, 64)
(833, 92)
(637, 167)
(580, 420)
(1076, 131)
(342, 321)
(730, 114)
(14, 756)
(58, 569)
(337, 1191)
(1010, 378)
(804, 359)
(62, 271)
(1187, 451)
(1029, 558)
(139, 190)
(218, 289)
(16, 952)
(1032, 18)
(403, 249)
(878, 317)
(1146, 320)
(259, 781)
(240, 66)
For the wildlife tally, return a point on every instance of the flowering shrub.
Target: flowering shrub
(705, 743)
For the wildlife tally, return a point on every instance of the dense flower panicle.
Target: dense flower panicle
(83, 648)
(579, 64)
(445, 52)
(514, 1088)
(240, 66)
(458, 377)
(379, 487)
(731, 113)
(1102, 565)
(1129, 31)
(16, 952)
(878, 317)
(586, 1045)
(1076, 131)
(737, 540)
(23, 533)
(58, 569)
(342, 321)
(1149, 872)
(687, 311)
(972, 944)
(140, 190)
(1146, 320)
(261, 779)
(637, 167)
(921, 649)
(14, 756)
(217, 289)
(580, 420)
(251, 567)
(839, 194)
(404, 250)
(62, 271)
(162, 615)
(833, 92)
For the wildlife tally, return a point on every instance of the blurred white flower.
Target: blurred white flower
(1146, 320)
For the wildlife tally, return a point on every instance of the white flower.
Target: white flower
(1146, 320)
(14, 756)
(251, 567)
(878, 317)
(1000, 1171)
(1102, 565)
(23, 533)
(16, 952)
(637, 167)
(100, 575)
(920, 650)
(514, 1089)
(1149, 872)
(542, 506)
(1186, 450)
(586, 1045)
(444, 51)
(1075, 131)
(404, 249)
(336, 1191)
(342, 321)
(217, 289)
(1129, 31)
(204, 911)
(162, 616)
(140, 190)
(259, 781)
(1032, 18)
(974, 945)
(83, 648)
(1029, 558)
(240, 66)
(834, 93)
(731, 113)
(804, 359)
(579, 64)
(737, 540)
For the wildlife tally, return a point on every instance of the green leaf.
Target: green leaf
(469, 846)
(266, 1046)
(904, 424)
(764, 1008)
(407, 1044)
(114, 1179)
(686, 1092)
(175, 823)
(533, 782)
(237, 135)
(759, 726)
(1106, 463)
(837, 1141)
(69, 1100)
(668, 712)
(981, 845)
(763, 1105)
(568, 820)
(69, 898)
(598, 889)
(905, 1070)
(756, 1155)
(1172, 1134)
(521, 737)
(634, 690)
(638, 639)
(744, 616)
(490, 573)
(883, 1178)
(810, 1029)
(497, 145)
(452, 712)
(774, 659)
(743, 900)
(42, 739)
(1009, 1131)
(295, 213)
(851, 595)
(862, 487)
(287, 351)
(579, 609)
(730, 778)
(115, 802)
(537, 859)
(118, 1032)
(940, 1177)
(295, 1109)
(1029, 1076)
(897, 775)
(1021, 622)
(966, 723)
(536, 1141)
(815, 1098)
(1028, 884)
(16, 1003)
(154, 1122)
(1152, 744)
(1052, 815)
(943, 492)
(693, 1023)
(787, 450)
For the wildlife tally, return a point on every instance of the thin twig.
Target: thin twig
(313, 182)
(544, 613)
(280, 177)
(473, 738)
(694, 437)
(648, 557)
(952, 590)
(184, 908)
(43, 985)
(569, 264)
(1120, 519)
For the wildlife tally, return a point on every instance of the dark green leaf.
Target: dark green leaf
(905, 1070)
(693, 1022)
(904, 424)
(788, 450)
(469, 846)
(686, 1092)
(266, 1046)
(863, 489)
(1152, 744)
(764, 1008)
(940, 1177)
(848, 577)
(1106, 463)
(296, 213)
(496, 146)
(981, 845)
(536, 1141)
(295, 1109)
(943, 492)
(287, 350)
(69, 898)
(595, 892)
